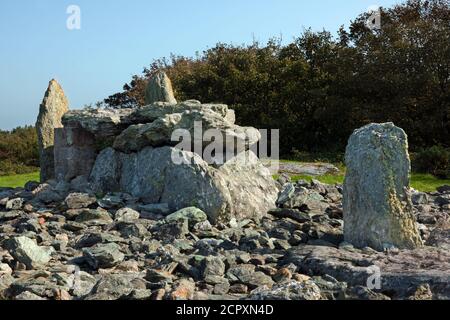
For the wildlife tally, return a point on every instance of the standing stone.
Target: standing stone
(53, 107)
(377, 205)
(159, 89)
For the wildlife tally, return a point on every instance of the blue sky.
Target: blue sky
(118, 38)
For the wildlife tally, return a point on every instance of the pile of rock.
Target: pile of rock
(116, 247)
(123, 220)
(133, 151)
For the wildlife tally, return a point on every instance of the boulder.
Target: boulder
(126, 215)
(377, 205)
(26, 251)
(103, 255)
(79, 200)
(159, 89)
(241, 188)
(52, 108)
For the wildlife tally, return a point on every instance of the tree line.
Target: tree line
(318, 88)
(18, 151)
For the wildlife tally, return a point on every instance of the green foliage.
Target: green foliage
(434, 160)
(18, 151)
(319, 88)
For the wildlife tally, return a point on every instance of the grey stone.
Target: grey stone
(154, 209)
(246, 274)
(103, 255)
(293, 214)
(14, 204)
(213, 267)
(79, 200)
(126, 215)
(159, 89)
(377, 204)
(240, 188)
(26, 251)
(293, 290)
(400, 271)
(192, 215)
(159, 132)
(94, 217)
(51, 110)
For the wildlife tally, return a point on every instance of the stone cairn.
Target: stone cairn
(377, 207)
(130, 151)
(53, 107)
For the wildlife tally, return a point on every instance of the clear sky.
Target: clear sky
(119, 37)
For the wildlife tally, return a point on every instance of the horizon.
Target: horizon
(117, 40)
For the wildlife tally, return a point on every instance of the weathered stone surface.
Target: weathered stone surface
(75, 152)
(298, 197)
(377, 206)
(126, 215)
(440, 236)
(240, 188)
(192, 215)
(159, 110)
(94, 217)
(400, 271)
(79, 200)
(14, 204)
(159, 132)
(26, 251)
(313, 169)
(53, 107)
(103, 255)
(292, 290)
(102, 123)
(159, 89)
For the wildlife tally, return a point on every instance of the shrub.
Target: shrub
(18, 151)
(434, 160)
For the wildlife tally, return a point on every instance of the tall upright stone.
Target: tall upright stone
(377, 205)
(159, 89)
(51, 110)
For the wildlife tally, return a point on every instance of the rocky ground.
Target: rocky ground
(60, 245)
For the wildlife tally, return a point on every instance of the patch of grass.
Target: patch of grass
(427, 182)
(18, 180)
(421, 182)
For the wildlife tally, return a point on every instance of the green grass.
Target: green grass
(421, 182)
(18, 180)
(427, 182)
